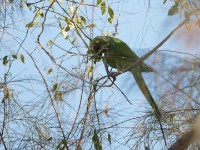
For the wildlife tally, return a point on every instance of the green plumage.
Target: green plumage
(118, 55)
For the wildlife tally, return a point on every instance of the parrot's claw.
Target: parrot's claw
(112, 75)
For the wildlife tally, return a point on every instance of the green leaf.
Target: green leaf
(39, 13)
(60, 25)
(49, 43)
(58, 95)
(5, 60)
(49, 139)
(164, 1)
(71, 10)
(96, 142)
(91, 25)
(103, 8)
(109, 138)
(29, 6)
(95, 86)
(6, 75)
(99, 1)
(67, 20)
(49, 71)
(31, 24)
(146, 148)
(110, 20)
(90, 71)
(14, 56)
(64, 33)
(111, 13)
(73, 41)
(66, 28)
(22, 58)
(83, 19)
(55, 87)
(173, 10)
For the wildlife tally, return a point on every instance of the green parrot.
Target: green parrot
(117, 54)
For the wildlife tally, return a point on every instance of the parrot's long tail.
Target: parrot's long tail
(143, 87)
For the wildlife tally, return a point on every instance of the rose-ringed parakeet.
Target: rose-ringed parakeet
(117, 54)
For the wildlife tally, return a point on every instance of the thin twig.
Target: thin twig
(51, 98)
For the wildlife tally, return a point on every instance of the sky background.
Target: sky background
(141, 26)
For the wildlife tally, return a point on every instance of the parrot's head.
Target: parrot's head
(98, 46)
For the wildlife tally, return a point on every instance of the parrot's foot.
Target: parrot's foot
(112, 75)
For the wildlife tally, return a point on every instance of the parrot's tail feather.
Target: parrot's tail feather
(144, 89)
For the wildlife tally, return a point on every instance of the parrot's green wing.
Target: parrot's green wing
(116, 49)
(124, 50)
